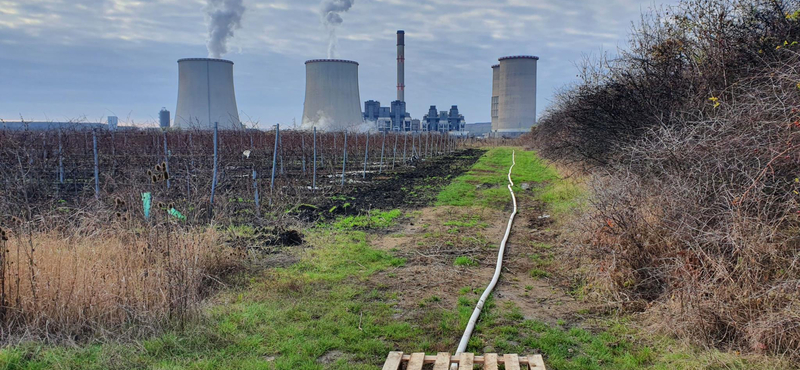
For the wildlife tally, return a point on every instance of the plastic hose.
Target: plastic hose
(462, 346)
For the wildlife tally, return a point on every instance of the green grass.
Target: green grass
(372, 220)
(485, 183)
(465, 261)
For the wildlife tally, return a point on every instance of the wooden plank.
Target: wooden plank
(416, 361)
(490, 361)
(536, 362)
(511, 362)
(393, 361)
(466, 361)
(442, 361)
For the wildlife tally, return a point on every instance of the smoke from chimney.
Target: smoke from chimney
(223, 17)
(331, 18)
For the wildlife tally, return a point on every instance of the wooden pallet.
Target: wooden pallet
(465, 361)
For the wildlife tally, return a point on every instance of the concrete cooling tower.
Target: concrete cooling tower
(206, 95)
(516, 95)
(332, 98)
(495, 94)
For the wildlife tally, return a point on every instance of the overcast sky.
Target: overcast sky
(66, 59)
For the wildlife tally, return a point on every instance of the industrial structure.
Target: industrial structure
(495, 93)
(401, 65)
(163, 118)
(393, 118)
(206, 95)
(332, 101)
(514, 95)
(113, 122)
(443, 121)
(396, 118)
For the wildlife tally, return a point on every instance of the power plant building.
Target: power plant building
(206, 95)
(514, 95)
(332, 95)
(443, 121)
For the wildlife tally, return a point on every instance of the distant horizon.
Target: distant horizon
(62, 63)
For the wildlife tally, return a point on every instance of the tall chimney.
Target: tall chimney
(401, 66)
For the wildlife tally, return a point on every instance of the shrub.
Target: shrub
(693, 139)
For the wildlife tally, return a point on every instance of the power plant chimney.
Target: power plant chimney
(401, 65)
(206, 95)
(332, 101)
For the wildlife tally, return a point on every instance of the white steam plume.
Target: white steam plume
(223, 17)
(331, 18)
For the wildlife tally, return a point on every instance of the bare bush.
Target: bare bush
(694, 213)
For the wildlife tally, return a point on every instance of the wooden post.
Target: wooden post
(214, 174)
(366, 157)
(405, 146)
(274, 162)
(303, 151)
(344, 160)
(60, 159)
(96, 166)
(166, 157)
(314, 182)
(394, 152)
(383, 149)
(255, 180)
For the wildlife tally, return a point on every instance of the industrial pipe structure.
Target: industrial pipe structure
(462, 346)
(332, 101)
(206, 95)
(517, 95)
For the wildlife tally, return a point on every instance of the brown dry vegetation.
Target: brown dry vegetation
(693, 142)
(99, 281)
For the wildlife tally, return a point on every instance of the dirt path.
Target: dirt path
(435, 237)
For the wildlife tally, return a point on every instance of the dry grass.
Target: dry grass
(118, 282)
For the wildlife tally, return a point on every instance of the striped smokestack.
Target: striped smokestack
(401, 63)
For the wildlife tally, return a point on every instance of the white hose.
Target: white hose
(462, 346)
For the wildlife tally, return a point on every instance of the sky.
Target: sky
(87, 59)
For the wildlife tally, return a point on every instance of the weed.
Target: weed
(465, 261)
(372, 220)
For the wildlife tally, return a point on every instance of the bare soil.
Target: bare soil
(410, 188)
(431, 247)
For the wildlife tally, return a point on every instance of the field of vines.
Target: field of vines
(81, 254)
(254, 173)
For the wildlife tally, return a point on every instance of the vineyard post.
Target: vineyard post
(280, 148)
(383, 149)
(255, 180)
(96, 166)
(303, 151)
(344, 160)
(405, 146)
(274, 162)
(366, 157)
(427, 137)
(314, 182)
(394, 152)
(413, 147)
(60, 159)
(166, 157)
(214, 174)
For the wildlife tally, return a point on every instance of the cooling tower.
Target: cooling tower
(206, 95)
(332, 98)
(495, 94)
(517, 95)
